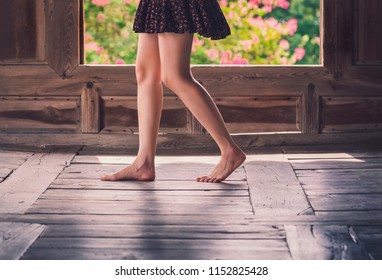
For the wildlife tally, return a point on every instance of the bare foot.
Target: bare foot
(134, 172)
(228, 164)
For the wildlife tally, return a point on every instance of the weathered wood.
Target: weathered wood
(323, 243)
(39, 114)
(165, 172)
(348, 202)
(16, 238)
(338, 41)
(11, 160)
(227, 232)
(32, 178)
(257, 249)
(347, 218)
(43, 206)
(310, 111)
(171, 142)
(367, 114)
(371, 238)
(62, 19)
(120, 114)
(90, 110)
(187, 197)
(368, 34)
(274, 188)
(350, 163)
(233, 188)
(21, 32)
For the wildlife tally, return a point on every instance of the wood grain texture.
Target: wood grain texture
(369, 35)
(324, 243)
(21, 32)
(367, 116)
(338, 41)
(274, 188)
(90, 110)
(62, 19)
(310, 111)
(32, 178)
(16, 238)
(57, 114)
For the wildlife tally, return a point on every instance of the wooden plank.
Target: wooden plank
(39, 114)
(352, 163)
(310, 111)
(236, 188)
(274, 188)
(347, 218)
(193, 197)
(120, 113)
(338, 36)
(44, 206)
(11, 160)
(257, 249)
(172, 232)
(346, 202)
(90, 110)
(32, 178)
(323, 243)
(16, 238)
(367, 114)
(165, 172)
(171, 142)
(20, 32)
(371, 238)
(369, 38)
(62, 19)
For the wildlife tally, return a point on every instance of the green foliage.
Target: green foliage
(263, 32)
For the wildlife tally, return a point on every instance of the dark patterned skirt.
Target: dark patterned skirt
(204, 17)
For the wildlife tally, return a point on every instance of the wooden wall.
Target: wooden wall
(45, 90)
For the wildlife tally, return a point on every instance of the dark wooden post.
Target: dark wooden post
(90, 110)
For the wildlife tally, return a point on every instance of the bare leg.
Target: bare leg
(150, 100)
(175, 52)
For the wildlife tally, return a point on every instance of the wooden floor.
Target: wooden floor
(283, 203)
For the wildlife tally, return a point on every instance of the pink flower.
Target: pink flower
(224, 3)
(226, 55)
(292, 26)
(247, 44)
(282, 4)
(255, 39)
(284, 44)
(100, 17)
(120, 61)
(239, 60)
(212, 54)
(101, 2)
(299, 53)
(100, 50)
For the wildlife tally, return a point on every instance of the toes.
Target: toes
(202, 179)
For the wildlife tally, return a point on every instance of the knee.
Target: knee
(176, 82)
(146, 74)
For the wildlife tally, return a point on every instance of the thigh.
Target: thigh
(148, 59)
(175, 53)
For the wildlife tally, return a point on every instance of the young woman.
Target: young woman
(166, 30)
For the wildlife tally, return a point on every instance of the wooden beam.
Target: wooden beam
(62, 19)
(338, 36)
(90, 110)
(310, 116)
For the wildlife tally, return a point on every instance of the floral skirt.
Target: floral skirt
(204, 17)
